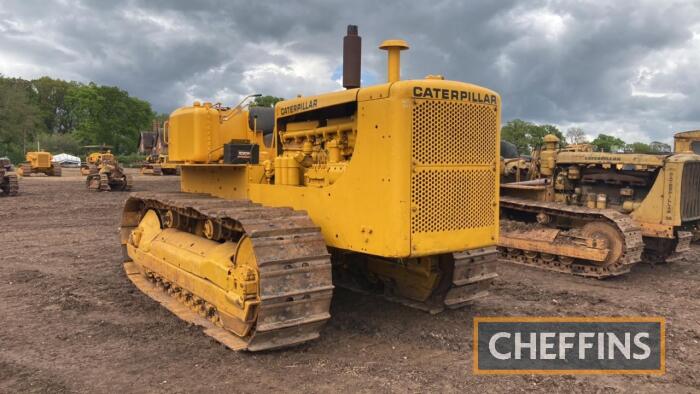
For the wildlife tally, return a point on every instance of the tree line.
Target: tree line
(528, 136)
(61, 116)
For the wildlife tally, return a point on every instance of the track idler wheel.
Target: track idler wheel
(607, 233)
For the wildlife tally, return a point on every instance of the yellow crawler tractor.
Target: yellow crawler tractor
(596, 214)
(89, 162)
(394, 186)
(106, 174)
(513, 167)
(158, 164)
(92, 157)
(687, 142)
(9, 186)
(39, 163)
(154, 145)
(166, 166)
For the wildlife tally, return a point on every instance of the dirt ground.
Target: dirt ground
(72, 321)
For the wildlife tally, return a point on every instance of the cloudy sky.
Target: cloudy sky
(628, 68)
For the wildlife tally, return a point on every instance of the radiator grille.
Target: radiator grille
(449, 200)
(447, 132)
(44, 160)
(446, 193)
(690, 191)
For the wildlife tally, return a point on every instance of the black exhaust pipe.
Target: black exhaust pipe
(352, 56)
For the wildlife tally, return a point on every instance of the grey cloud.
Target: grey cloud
(619, 67)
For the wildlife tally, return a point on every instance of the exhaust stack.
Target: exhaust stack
(352, 56)
(394, 48)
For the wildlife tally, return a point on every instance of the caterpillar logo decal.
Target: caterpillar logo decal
(449, 94)
(299, 107)
(602, 157)
(669, 196)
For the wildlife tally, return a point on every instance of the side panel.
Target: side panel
(229, 181)
(367, 208)
(672, 193)
(661, 209)
(651, 214)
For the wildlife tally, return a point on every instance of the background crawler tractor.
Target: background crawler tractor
(39, 163)
(92, 157)
(9, 185)
(597, 213)
(153, 144)
(396, 193)
(106, 174)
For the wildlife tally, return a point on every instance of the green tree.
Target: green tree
(266, 101)
(608, 143)
(51, 99)
(517, 132)
(60, 115)
(60, 143)
(538, 133)
(527, 136)
(20, 119)
(638, 147)
(108, 115)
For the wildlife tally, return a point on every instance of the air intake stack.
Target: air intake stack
(394, 48)
(352, 56)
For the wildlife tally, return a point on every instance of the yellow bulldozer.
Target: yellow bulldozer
(92, 157)
(104, 173)
(687, 142)
(391, 188)
(158, 164)
(9, 186)
(596, 213)
(514, 167)
(39, 163)
(154, 145)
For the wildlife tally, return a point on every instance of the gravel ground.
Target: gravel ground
(72, 321)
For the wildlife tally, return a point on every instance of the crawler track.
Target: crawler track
(128, 183)
(295, 285)
(98, 182)
(465, 277)
(152, 169)
(468, 277)
(665, 250)
(25, 169)
(11, 188)
(101, 182)
(630, 232)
